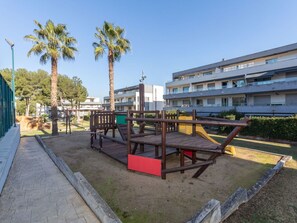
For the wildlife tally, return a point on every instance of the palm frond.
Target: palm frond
(53, 41)
(44, 58)
(98, 51)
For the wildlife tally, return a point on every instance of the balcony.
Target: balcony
(122, 95)
(269, 110)
(282, 64)
(284, 84)
(124, 103)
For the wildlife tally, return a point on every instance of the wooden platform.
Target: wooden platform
(118, 151)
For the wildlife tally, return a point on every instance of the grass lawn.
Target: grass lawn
(273, 147)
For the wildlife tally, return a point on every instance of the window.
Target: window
(207, 73)
(174, 103)
(239, 83)
(199, 87)
(211, 86)
(271, 61)
(129, 99)
(186, 89)
(224, 102)
(241, 66)
(186, 103)
(262, 100)
(211, 101)
(224, 84)
(174, 90)
(291, 99)
(191, 76)
(230, 68)
(199, 102)
(238, 101)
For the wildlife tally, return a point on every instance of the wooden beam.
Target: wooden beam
(188, 167)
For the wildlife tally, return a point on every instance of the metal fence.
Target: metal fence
(6, 107)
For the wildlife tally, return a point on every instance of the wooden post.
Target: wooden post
(164, 130)
(193, 125)
(128, 133)
(141, 97)
(177, 116)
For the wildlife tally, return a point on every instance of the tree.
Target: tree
(111, 40)
(52, 42)
(30, 87)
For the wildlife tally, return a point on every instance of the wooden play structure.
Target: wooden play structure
(147, 151)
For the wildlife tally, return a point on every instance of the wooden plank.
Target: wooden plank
(188, 167)
(144, 164)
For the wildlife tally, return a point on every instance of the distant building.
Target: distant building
(128, 98)
(259, 83)
(91, 103)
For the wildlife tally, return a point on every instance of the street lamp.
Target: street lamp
(11, 44)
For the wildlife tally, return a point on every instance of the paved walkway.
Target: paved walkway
(36, 191)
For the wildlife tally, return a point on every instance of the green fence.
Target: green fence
(6, 107)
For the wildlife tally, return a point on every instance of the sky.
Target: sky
(166, 35)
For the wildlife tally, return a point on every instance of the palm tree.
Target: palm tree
(111, 40)
(52, 42)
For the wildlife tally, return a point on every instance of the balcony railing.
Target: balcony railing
(238, 67)
(257, 83)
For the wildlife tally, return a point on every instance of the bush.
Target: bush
(272, 128)
(230, 115)
(86, 118)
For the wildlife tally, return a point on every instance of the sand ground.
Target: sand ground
(137, 197)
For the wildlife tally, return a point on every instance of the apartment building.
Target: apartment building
(259, 83)
(91, 103)
(128, 98)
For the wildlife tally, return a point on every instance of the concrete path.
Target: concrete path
(36, 191)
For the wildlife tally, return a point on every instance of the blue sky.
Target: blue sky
(166, 35)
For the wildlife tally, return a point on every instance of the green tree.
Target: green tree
(111, 40)
(30, 87)
(52, 42)
(65, 89)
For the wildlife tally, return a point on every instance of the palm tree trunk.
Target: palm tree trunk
(111, 80)
(54, 102)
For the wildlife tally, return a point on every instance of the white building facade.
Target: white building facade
(128, 98)
(263, 83)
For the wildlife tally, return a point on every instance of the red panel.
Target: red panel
(188, 153)
(144, 164)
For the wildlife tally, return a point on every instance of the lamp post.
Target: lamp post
(11, 44)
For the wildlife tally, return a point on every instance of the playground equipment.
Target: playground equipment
(172, 134)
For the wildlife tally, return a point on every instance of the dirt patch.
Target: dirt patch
(137, 197)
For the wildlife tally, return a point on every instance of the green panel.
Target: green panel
(121, 119)
(6, 107)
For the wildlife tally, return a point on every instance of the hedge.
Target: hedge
(272, 128)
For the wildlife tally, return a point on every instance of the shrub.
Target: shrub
(231, 115)
(272, 128)
(86, 118)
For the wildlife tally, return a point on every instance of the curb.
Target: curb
(8, 147)
(213, 212)
(95, 202)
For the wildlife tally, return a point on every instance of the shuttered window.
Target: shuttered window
(262, 100)
(291, 99)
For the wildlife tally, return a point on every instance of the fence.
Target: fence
(6, 107)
